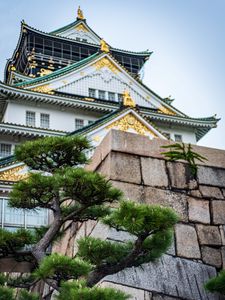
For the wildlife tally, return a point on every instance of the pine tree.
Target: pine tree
(58, 182)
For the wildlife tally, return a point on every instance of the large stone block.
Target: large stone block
(211, 176)
(154, 172)
(171, 276)
(135, 294)
(187, 241)
(210, 192)
(218, 211)
(125, 167)
(179, 175)
(131, 191)
(209, 235)
(198, 210)
(176, 201)
(211, 256)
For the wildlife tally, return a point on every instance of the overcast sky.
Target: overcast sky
(187, 37)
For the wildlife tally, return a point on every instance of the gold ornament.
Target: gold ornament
(127, 100)
(13, 174)
(80, 14)
(46, 89)
(44, 72)
(131, 122)
(81, 27)
(105, 62)
(104, 46)
(166, 111)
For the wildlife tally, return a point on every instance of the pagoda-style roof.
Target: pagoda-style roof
(36, 48)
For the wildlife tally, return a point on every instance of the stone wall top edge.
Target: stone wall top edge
(131, 143)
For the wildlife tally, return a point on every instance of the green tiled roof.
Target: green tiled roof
(7, 160)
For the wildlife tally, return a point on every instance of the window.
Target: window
(30, 118)
(167, 135)
(111, 96)
(5, 150)
(84, 40)
(79, 123)
(90, 122)
(12, 219)
(120, 97)
(178, 137)
(44, 120)
(77, 38)
(101, 94)
(91, 93)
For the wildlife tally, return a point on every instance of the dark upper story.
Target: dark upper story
(38, 53)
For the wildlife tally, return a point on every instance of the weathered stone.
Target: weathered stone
(172, 248)
(125, 167)
(208, 235)
(177, 201)
(223, 191)
(223, 256)
(186, 241)
(195, 193)
(135, 294)
(154, 172)
(179, 174)
(131, 191)
(222, 233)
(210, 192)
(218, 211)
(104, 167)
(211, 256)
(162, 297)
(211, 176)
(198, 211)
(172, 276)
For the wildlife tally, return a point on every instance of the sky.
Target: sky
(186, 37)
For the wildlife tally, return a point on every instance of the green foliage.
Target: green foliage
(97, 251)
(25, 295)
(12, 241)
(51, 153)
(77, 290)
(6, 293)
(61, 267)
(217, 284)
(139, 219)
(36, 191)
(185, 152)
(88, 187)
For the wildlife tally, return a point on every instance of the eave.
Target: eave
(27, 131)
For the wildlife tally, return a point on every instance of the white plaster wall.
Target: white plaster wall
(107, 81)
(59, 119)
(188, 136)
(73, 34)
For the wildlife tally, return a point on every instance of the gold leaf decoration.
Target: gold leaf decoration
(81, 27)
(130, 121)
(165, 110)
(46, 89)
(105, 62)
(13, 174)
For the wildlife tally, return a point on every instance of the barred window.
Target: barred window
(30, 118)
(5, 150)
(79, 123)
(101, 94)
(45, 121)
(90, 122)
(111, 96)
(92, 93)
(167, 135)
(178, 137)
(120, 97)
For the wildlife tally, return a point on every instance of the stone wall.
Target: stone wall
(134, 164)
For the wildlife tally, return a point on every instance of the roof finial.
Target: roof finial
(104, 46)
(80, 14)
(127, 100)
